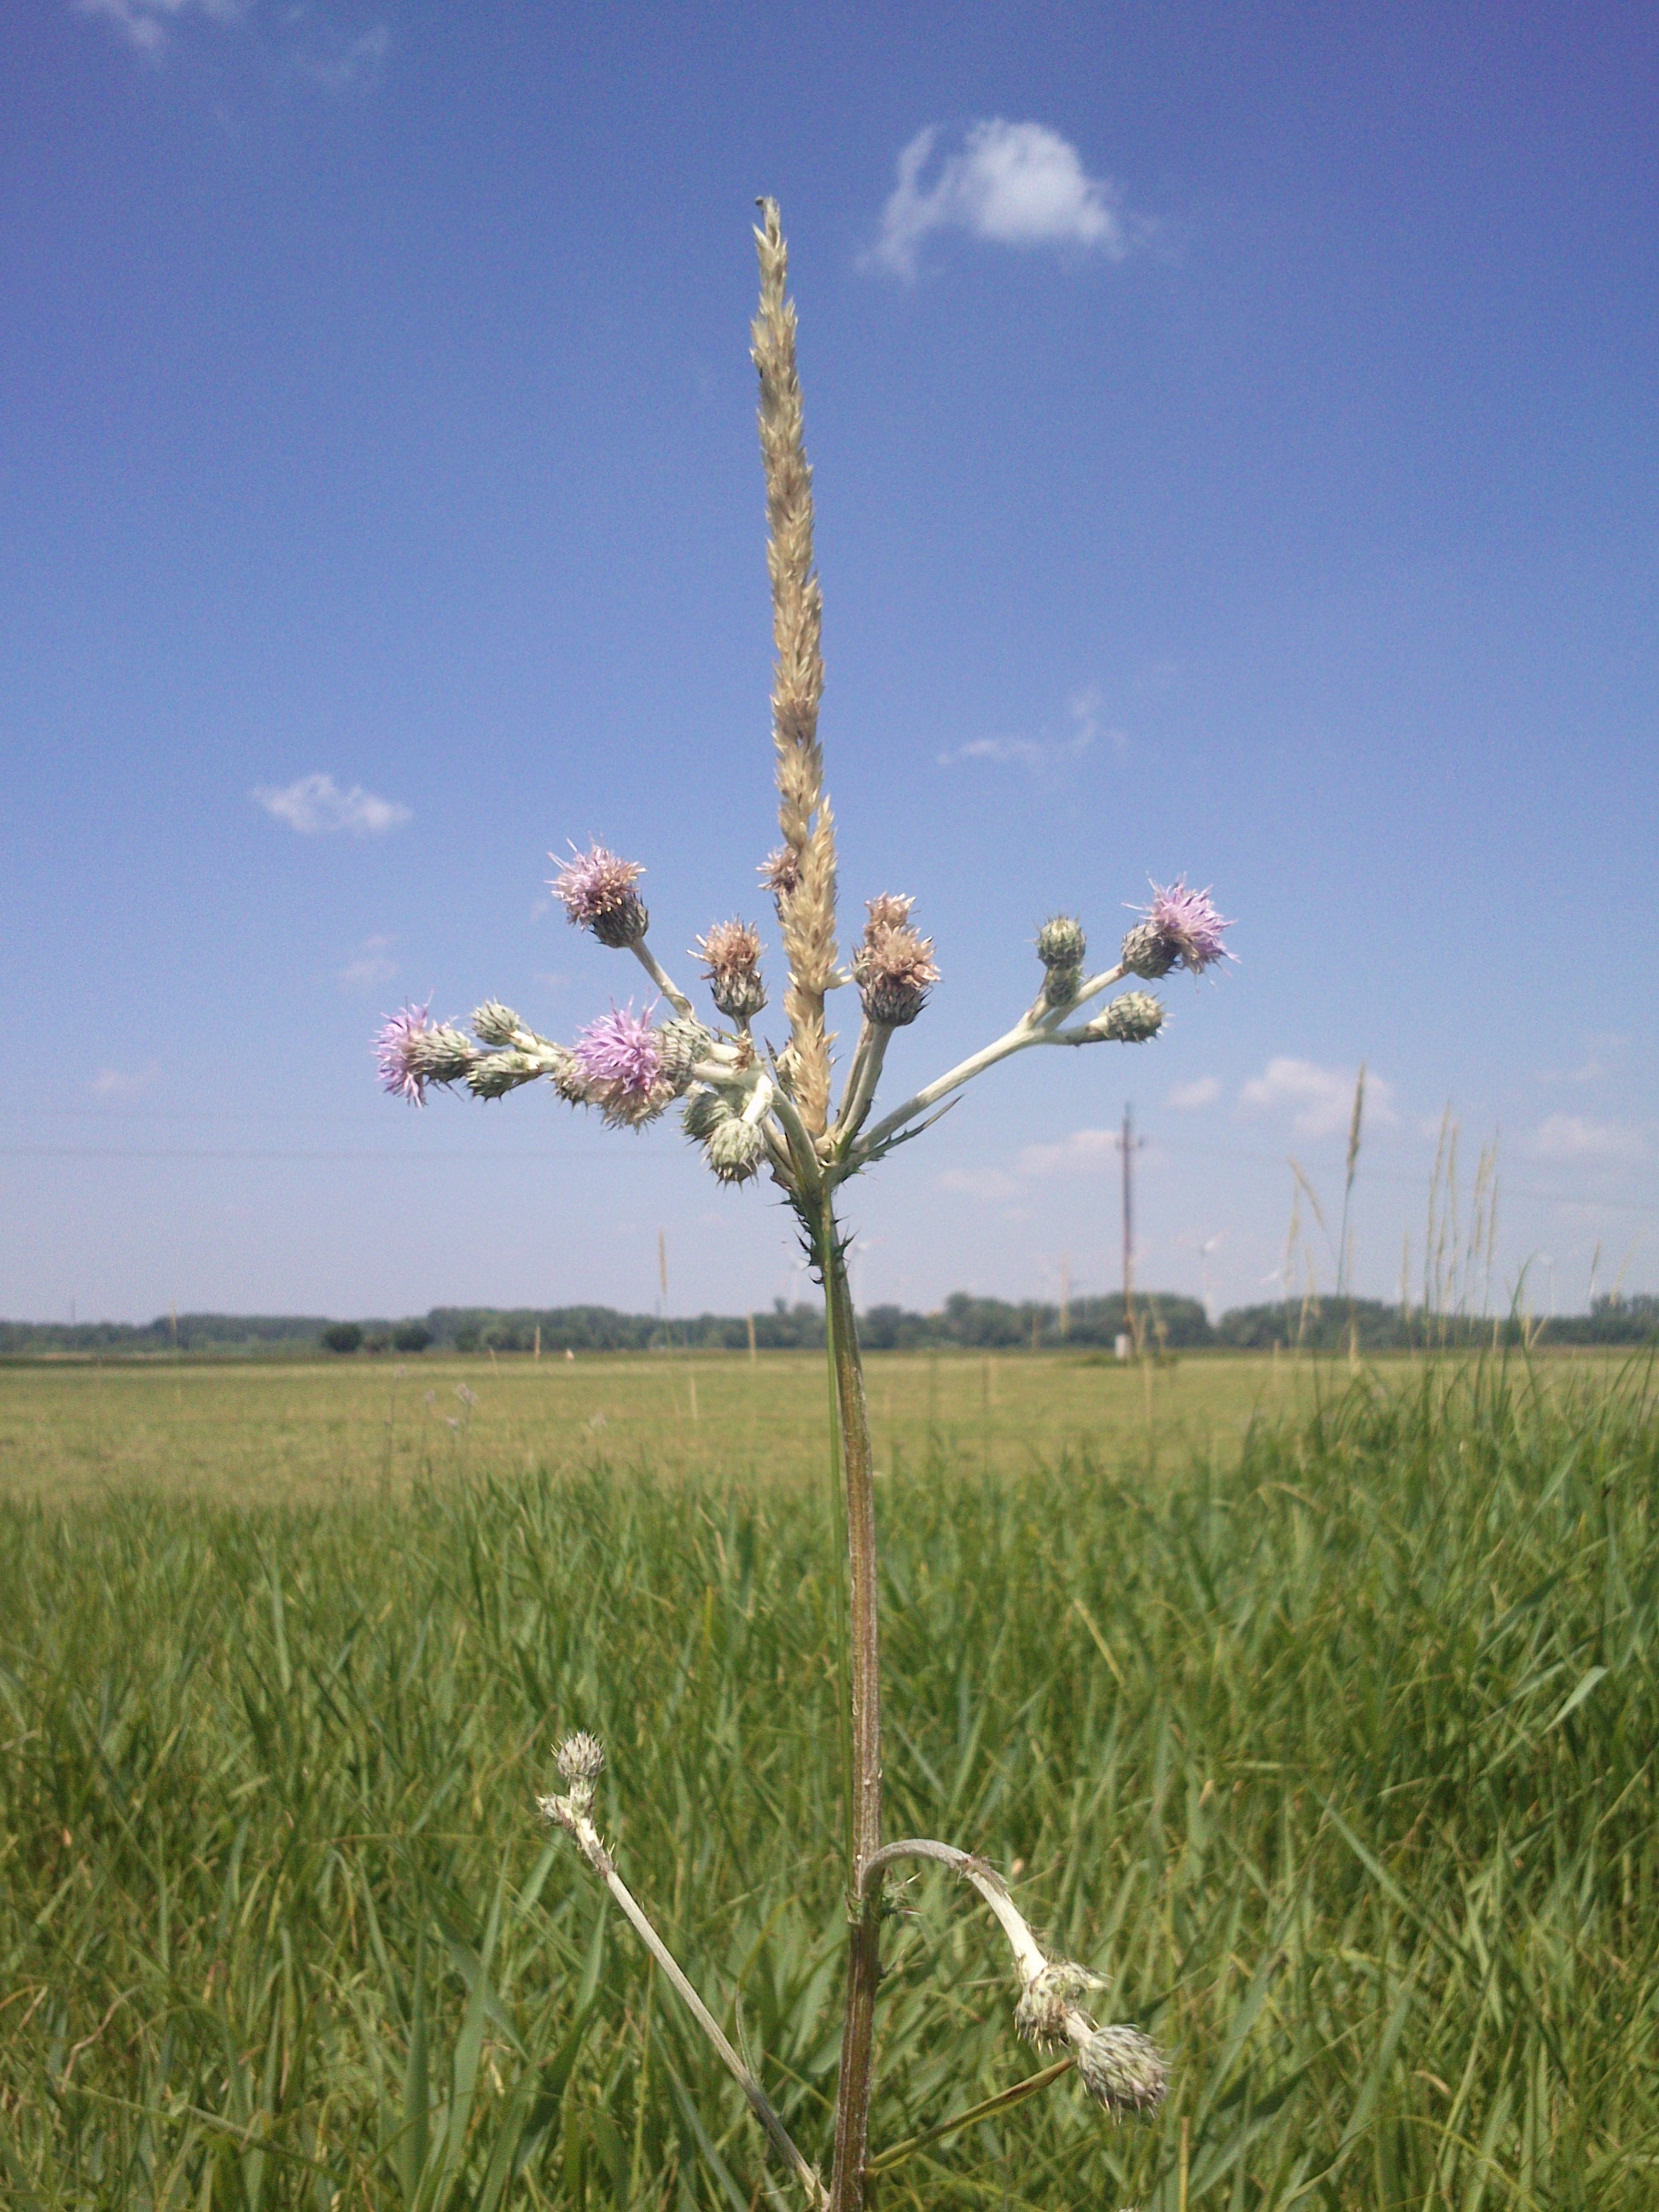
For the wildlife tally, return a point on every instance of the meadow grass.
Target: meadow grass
(1330, 1740)
(270, 1430)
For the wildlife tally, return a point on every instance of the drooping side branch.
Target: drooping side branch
(1121, 2068)
(804, 875)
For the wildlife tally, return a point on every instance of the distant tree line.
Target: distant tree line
(1163, 1322)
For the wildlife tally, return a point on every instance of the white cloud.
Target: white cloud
(1574, 1136)
(1044, 754)
(337, 61)
(144, 24)
(1321, 1098)
(1080, 1151)
(110, 1085)
(1012, 184)
(1188, 1097)
(315, 804)
(370, 964)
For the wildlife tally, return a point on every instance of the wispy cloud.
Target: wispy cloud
(1319, 1099)
(1575, 1136)
(336, 59)
(1043, 755)
(145, 24)
(1603, 1054)
(302, 37)
(112, 1084)
(1079, 1152)
(1010, 183)
(370, 964)
(1188, 1097)
(315, 805)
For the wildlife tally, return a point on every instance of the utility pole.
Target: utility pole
(1128, 1145)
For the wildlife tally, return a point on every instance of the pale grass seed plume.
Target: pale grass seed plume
(754, 1114)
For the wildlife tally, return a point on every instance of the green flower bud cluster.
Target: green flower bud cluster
(1128, 1020)
(1060, 946)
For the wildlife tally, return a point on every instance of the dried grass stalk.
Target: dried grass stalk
(807, 910)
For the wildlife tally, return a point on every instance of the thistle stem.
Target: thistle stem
(862, 1079)
(572, 1815)
(863, 1715)
(671, 991)
(1039, 1025)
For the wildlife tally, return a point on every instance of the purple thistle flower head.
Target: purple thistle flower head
(1180, 928)
(621, 1058)
(396, 1044)
(598, 891)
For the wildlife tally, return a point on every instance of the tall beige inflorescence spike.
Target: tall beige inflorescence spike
(807, 910)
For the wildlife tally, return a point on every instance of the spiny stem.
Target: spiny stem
(864, 1713)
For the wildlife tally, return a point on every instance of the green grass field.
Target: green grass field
(1318, 1712)
(274, 1430)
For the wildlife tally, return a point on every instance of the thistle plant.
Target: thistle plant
(756, 1112)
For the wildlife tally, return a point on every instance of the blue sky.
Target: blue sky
(1235, 432)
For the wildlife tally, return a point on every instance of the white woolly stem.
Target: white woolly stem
(569, 1814)
(1040, 1025)
(1029, 1956)
(653, 968)
(862, 1080)
(1023, 1033)
(801, 1147)
(1091, 989)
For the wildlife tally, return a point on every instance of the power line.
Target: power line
(640, 1154)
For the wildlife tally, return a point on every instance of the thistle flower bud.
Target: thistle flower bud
(1050, 1996)
(493, 1074)
(581, 1760)
(730, 952)
(1060, 942)
(1128, 1020)
(735, 1150)
(495, 1023)
(892, 964)
(705, 1109)
(399, 1044)
(618, 1055)
(597, 892)
(441, 1053)
(1061, 946)
(681, 1045)
(1123, 2069)
(1147, 952)
(1181, 927)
